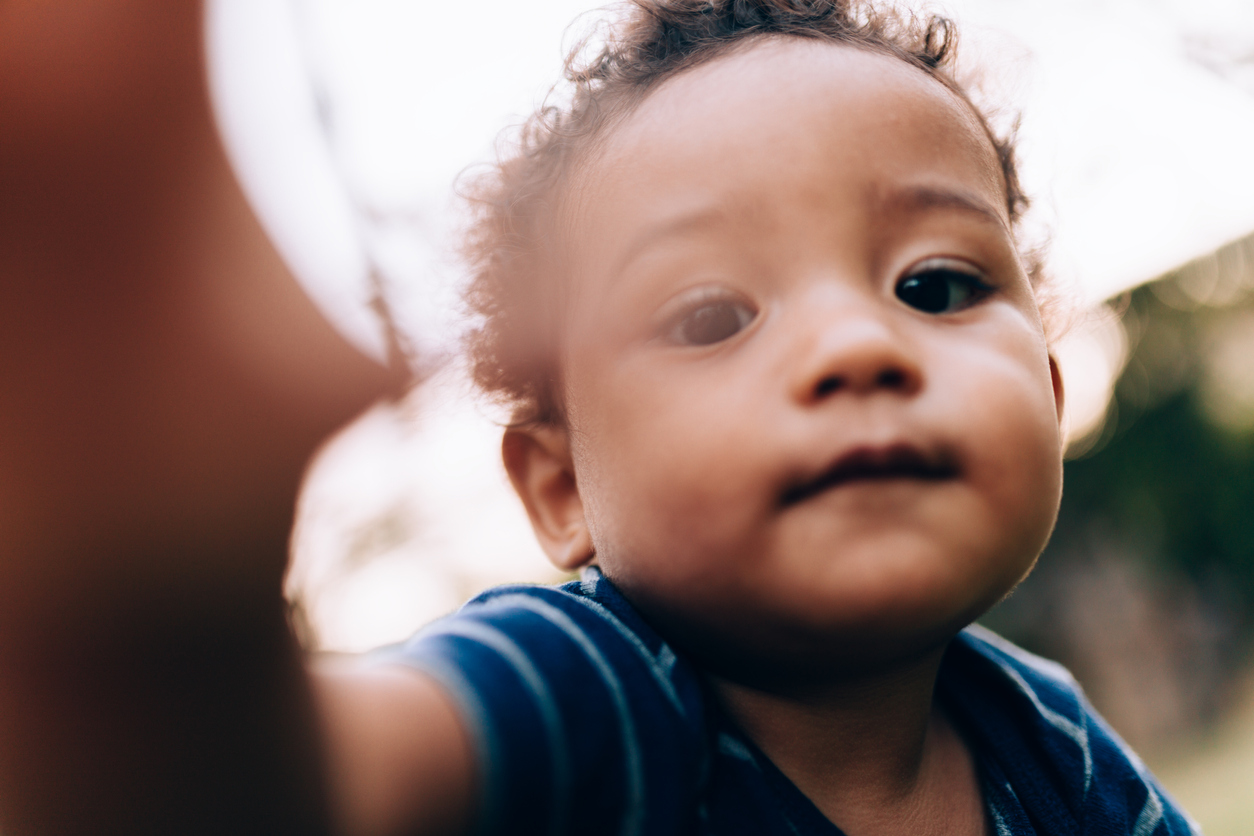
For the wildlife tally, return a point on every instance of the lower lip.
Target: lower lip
(800, 496)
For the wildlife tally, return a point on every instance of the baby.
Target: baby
(783, 393)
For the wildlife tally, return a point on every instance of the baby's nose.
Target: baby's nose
(856, 354)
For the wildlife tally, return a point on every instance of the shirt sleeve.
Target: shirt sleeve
(583, 721)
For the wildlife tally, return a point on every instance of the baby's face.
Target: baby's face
(812, 414)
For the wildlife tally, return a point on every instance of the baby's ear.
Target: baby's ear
(1055, 375)
(541, 469)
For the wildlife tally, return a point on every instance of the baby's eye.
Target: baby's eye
(942, 285)
(711, 322)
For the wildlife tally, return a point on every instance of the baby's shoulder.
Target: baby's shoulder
(1043, 750)
(582, 627)
(576, 708)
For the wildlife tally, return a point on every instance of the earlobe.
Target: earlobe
(540, 467)
(1055, 375)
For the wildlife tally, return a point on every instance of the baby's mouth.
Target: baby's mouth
(875, 464)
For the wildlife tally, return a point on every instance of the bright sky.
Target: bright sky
(1138, 120)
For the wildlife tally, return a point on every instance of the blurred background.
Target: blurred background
(349, 122)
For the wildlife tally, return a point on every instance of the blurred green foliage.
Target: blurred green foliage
(1177, 485)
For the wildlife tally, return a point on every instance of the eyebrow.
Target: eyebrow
(910, 200)
(678, 225)
(918, 199)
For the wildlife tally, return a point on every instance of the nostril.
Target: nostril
(828, 385)
(890, 379)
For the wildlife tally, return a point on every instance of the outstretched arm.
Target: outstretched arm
(398, 759)
(163, 382)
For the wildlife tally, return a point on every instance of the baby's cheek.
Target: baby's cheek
(1023, 473)
(679, 522)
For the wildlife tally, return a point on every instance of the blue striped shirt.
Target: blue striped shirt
(586, 722)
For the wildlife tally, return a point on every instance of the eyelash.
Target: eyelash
(919, 288)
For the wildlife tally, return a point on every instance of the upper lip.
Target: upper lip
(896, 461)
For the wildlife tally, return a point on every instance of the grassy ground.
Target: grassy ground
(1213, 778)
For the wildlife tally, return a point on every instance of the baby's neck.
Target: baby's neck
(875, 754)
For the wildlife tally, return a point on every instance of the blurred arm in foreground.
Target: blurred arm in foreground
(163, 382)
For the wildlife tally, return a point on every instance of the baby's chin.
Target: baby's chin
(778, 638)
(779, 662)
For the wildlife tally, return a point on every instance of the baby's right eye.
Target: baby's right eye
(712, 322)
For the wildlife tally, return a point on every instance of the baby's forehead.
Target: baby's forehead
(773, 109)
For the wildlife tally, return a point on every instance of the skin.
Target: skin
(789, 188)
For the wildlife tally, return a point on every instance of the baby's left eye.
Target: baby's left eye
(942, 285)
